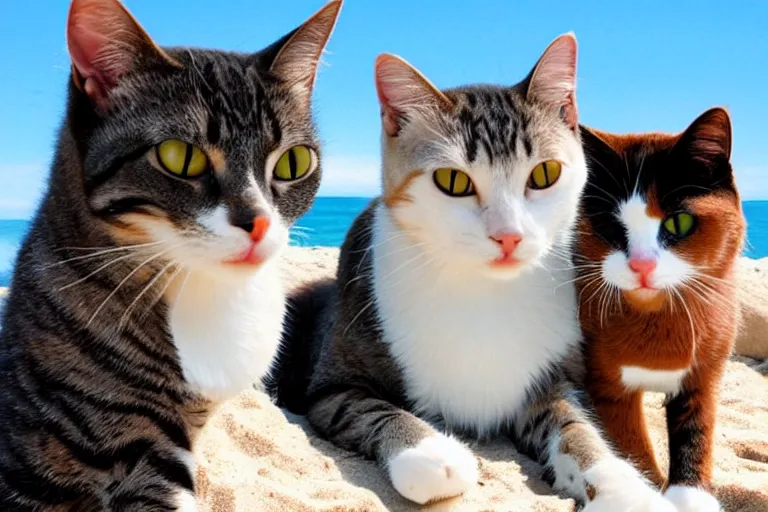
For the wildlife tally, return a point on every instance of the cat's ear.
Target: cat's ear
(298, 54)
(403, 91)
(708, 138)
(552, 81)
(594, 143)
(105, 43)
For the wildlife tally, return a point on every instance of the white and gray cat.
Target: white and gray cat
(454, 303)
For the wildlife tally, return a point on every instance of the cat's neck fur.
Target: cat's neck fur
(226, 331)
(471, 347)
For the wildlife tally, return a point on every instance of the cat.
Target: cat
(453, 303)
(147, 289)
(660, 234)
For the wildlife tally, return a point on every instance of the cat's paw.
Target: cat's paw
(438, 467)
(614, 485)
(186, 502)
(691, 499)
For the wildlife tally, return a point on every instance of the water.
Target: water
(330, 218)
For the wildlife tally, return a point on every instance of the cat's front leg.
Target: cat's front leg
(423, 464)
(555, 430)
(691, 421)
(153, 484)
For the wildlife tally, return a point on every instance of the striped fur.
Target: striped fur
(423, 339)
(100, 405)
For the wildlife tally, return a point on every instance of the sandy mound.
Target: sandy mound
(251, 458)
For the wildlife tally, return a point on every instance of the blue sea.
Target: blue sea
(328, 221)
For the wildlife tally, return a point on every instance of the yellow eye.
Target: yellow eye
(182, 159)
(544, 175)
(454, 182)
(679, 224)
(294, 163)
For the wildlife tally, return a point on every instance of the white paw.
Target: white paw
(619, 487)
(691, 499)
(438, 467)
(186, 502)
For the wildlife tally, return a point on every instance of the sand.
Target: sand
(254, 457)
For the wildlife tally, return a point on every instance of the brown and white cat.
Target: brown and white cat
(454, 305)
(147, 287)
(659, 237)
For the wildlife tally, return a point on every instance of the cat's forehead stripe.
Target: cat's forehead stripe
(491, 121)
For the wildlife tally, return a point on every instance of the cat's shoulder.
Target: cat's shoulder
(355, 251)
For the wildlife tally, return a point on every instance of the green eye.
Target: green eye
(545, 175)
(679, 224)
(181, 159)
(293, 164)
(454, 182)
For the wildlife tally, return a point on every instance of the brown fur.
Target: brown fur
(665, 335)
(399, 193)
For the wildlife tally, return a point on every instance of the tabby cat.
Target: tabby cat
(453, 303)
(147, 288)
(661, 231)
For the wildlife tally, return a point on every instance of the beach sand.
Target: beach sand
(253, 457)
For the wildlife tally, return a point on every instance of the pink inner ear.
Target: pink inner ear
(87, 49)
(391, 88)
(553, 81)
(104, 43)
(401, 89)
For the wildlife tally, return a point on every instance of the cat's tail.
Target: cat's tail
(307, 321)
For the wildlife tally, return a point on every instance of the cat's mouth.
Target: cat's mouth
(249, 257)
(505, 261)
(645, 298)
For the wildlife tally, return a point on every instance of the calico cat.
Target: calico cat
(147, 288)
(453, 303)
(660, 234)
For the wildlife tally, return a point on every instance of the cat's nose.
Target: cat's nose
(507, 241)
(642, 266)
(257, 228)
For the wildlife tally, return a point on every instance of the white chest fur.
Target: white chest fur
(227, 331)
(663, 381)
(470, 348)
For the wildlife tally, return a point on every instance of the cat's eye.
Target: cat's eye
(182, 159)
(545, 175)
(293, 164)
(453, 182)
(679, 224)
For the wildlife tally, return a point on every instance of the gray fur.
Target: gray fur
(95, 410)
(337, 365)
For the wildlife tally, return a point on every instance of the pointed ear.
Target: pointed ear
(708, 138)
(552, 81)
(594, 144)
(403, 90)
(297, 60)
(105, 43)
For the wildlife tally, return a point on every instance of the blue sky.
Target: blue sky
(651, 65)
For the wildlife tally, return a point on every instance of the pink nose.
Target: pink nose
(642, 266)
(507, 241)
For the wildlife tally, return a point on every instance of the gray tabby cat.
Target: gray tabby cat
(454, 301)
(147, 289)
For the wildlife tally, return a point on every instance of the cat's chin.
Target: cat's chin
(504, 272)
(645, 300)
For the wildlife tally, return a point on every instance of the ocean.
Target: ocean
(329, 219)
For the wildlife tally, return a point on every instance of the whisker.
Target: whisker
(101, 253)
(144, 290)
(108, 264)
(113, 292)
